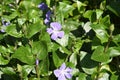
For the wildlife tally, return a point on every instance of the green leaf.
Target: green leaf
(73, 58)
(82, 76)
(33, 29)
(53, 47)
(99, 55)
(99, 13)
(65, 8)
(3, 61)
(114, 7)
(100, 31)
(57, 61)
(63, 11)
(87, 64)
(104, 76)
(26, 69)
(114, 77)
(8, 70)
(91, 15)
(44, 67)
(70, 25)
(12, 30)
(63, 41)
(105, 20)
(40, 49)
(114, 51)
(24, 55)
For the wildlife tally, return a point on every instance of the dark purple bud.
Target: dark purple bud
(37, 62)
(42, 6)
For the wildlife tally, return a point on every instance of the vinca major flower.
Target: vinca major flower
(55, 30)
(63, 73)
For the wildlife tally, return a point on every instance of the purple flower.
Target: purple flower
(47, 19)
(42, 6)
(5, 24)
(54, 31)
(63, 73)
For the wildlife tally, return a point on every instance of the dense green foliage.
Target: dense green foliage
(90, 46)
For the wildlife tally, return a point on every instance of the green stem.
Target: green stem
(37, 72)
(37, 69)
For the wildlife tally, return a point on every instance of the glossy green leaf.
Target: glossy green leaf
(26, 69)
(40, 49)
(82, 76)
(100, 31)
(24, 55)
(3, 61)
(65, 8)
(104, 76)
(44, 67)
(56, 59)
(33, 29)
(87, 64)
(73, 58)
(99, 55)
(91, 15)
(105, 20)
(64, 40)
(12, 30)
(114, 51)
(70, 25)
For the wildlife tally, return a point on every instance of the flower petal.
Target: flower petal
(54, 36)
(56, 25)
(49, 30)
(57, 72)
(69, 70)
(62, 77)
(68, 75)
(60, 34)
(63, 66)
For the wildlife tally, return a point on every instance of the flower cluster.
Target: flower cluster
(63, 73)
(5, 24)
(55, 27)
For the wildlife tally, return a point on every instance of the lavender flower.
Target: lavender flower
(42, 6)
(5, 24)
(54, 31)
(47, 19)
(63, 73)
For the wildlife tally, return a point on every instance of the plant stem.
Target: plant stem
(37, 69)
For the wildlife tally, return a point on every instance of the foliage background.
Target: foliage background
(91, 45)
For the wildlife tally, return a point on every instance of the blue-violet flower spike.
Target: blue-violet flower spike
(42, 6)
(63, 73)
(55, 30)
